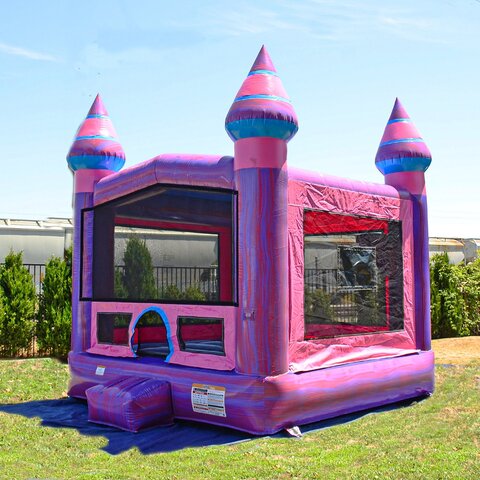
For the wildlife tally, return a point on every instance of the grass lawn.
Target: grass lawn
(438, 438)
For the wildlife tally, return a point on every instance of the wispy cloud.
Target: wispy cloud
(339, 21)
(23, 52)
(335, 20)
(409, 26)
(247, 20)
(97, 57)
(404, 22)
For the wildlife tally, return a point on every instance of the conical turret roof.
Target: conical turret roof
(402, 149)
(96, 144)
(262, 107)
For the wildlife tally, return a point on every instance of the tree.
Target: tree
(19, 305)
(54, 324)
(137, 278)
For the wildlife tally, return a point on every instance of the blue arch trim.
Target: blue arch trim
(405, 164)
(403, 140)
(263, 72)
(397, 120)
(164, 318)
(262, 96)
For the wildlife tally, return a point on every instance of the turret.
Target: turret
(261, 121)
(403, 157)
(94, 154)
(96, 146)
(262, 107)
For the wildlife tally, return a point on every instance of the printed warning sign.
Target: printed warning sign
(208, 399)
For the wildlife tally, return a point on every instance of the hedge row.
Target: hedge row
(455, 298)
(26, 317)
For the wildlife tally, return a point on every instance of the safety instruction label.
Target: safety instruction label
(208, 399)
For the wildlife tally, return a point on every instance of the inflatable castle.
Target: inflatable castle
(239, 291)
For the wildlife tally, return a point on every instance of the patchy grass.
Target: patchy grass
(458, 351)
(438, 438)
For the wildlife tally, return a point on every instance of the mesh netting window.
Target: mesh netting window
(112, 328)
(165, 244)
(201, 335)
(353, 275)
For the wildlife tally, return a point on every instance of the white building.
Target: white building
(41, 239)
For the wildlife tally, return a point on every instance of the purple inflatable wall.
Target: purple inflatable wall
(269, 375)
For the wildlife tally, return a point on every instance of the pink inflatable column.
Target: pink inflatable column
(95, 153)
(403, 158)
(261, 121)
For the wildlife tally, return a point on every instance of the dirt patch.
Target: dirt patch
(460, 351)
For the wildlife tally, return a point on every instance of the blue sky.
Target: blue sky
(168, 72)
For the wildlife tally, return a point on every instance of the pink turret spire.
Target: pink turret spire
(262, 107)
(96, 144)
(98, 108)
(263, 61)
(402, 149)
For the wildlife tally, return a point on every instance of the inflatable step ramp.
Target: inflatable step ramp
(130, 403)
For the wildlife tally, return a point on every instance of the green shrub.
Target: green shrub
(368, 311)
(471, 292)
(54, 324)
(120, 291)
(454, 298)
(2, 312)
(194, 294)
(19, 305)
(150, 319)
(137, 282)
(171, 292)
(318, 306)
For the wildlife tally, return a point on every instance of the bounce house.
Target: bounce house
(241, 292)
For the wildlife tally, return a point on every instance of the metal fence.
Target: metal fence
(204, 279)
(325, 290)
(37, 271)
(321, 278)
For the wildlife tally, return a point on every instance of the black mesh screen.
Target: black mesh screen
(165, 243)
(163, 264)
(201, 335)
(112, 328)
(353, 275)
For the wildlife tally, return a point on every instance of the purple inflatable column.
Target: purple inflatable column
(95, 153)
(403, 158)
(261, 121)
